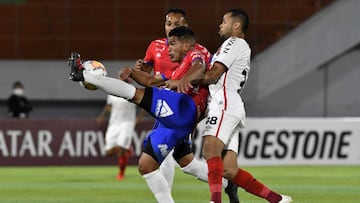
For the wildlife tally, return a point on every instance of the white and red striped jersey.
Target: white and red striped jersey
(234, 54)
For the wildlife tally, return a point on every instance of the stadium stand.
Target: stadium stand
(303, 51)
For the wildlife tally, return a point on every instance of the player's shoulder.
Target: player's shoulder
(162, 41)
(202, 49)
(158, 43)
(196, 52)
(236, 41)
(236, 44)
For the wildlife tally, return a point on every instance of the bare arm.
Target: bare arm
(104, 113)
(198, 75)
(141, 77)
(214, 74)
(146, 79)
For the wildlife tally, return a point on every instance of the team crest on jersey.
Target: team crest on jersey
(162, 109)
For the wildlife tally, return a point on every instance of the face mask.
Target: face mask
(18, 91)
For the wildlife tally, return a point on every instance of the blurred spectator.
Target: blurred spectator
(18, 105)
(123, 118)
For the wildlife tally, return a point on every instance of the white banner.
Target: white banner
(298, 141)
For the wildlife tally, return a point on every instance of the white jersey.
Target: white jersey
(121, 110)
(234, 54)
(226, 110)
(121, 126)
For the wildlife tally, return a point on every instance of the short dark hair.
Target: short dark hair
(17, 84)
(182, 32)
(176, 10)
(242, 16)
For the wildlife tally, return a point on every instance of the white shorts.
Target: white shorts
(225, 127)
(119, 135)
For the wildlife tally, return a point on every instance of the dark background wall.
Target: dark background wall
(37, 36)
(121, 29)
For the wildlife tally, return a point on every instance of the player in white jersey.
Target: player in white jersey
(225, 93)
(226, 113)
(120, 130)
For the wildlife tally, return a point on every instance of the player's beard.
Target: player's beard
(223, 37)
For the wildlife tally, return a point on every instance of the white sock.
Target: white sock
(199, 169)
(167, 168)
(111, 85)
(158, 186)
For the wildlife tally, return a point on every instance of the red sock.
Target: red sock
(122, 162)
(274, 197)
(251, 185)
(216, 170)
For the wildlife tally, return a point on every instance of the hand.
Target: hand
(171, 84)
(180, 85)
(184, 86)
(139, 64)
(100, 120)
(125, 74)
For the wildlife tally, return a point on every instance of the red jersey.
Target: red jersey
(200, 93)
(157, 55)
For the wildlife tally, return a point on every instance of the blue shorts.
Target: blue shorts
(175, 114)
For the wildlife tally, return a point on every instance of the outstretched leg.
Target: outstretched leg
(107, 84)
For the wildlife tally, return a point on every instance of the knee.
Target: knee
(185, 160)
(209, 151)
(212, 147)
(147, 164)
(143, 168)
(112, 151)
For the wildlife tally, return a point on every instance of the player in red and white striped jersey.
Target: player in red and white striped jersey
(226, 114)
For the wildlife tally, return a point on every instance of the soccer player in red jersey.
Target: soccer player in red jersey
(157, 59)
(176, 113)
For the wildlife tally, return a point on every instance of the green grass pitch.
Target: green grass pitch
(90, 184)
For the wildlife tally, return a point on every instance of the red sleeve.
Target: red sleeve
(149, 57)
(167, 74)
